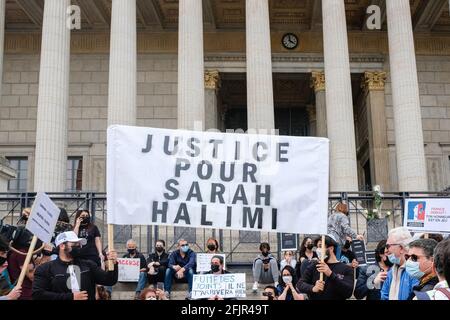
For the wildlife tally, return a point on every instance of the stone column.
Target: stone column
(373, 86)
(411, 165)
(212, 84)
(318, 83)
(2, 40)
(122, 92)
(312, 117)
(191, 90)
(340, 124)
(260, 109)
(53, 100)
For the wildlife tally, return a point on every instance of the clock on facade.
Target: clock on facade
(290, 41)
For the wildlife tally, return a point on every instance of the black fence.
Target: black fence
(371, 215)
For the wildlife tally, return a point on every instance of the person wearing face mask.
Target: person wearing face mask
(133, 253)
(307, 254)
(289, 260)
(24, 217)
(85, 228)
(182, 264)
(265, 267)
(398, 284)
(212, 246)
(70, 277)
(337, 283)
(371, 277)
(157, 263)
(286, 288)
(45, 255)
(419, 265)
(217, 264)
(7, 290)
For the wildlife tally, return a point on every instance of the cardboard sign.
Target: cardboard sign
(370, 257)
(218, 180)
(359, 250)
(427, 215)
(129, 269)
(204, 261)
(43, 217)
(288, 242)
(231, 285)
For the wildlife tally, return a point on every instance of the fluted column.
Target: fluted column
(191, 91)
(2, 40)
(212, 84)
(318, 83)
(122, 64)
(53, 100)
(340, 124)
(373, 86)
(260, 109)
(411, 165)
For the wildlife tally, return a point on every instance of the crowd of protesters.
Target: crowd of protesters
(75, 267)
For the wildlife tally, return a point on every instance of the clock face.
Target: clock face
(290, 41)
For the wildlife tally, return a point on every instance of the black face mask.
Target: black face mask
(347, 244)
(131, 251)
(86, 220)
(2, 260)
(211, 247)
(388, 262)
(265, 254)
(47, 253)
(215, 267)
(310, 246)
(74, 252)
(24, 218)
(159, 249)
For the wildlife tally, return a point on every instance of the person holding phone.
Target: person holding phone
(270, 292)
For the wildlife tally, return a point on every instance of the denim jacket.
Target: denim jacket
(406, 285)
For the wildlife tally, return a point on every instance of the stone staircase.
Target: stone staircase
(126, 290)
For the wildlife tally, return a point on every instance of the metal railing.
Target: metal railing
(240, 247)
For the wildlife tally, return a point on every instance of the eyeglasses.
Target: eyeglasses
(185, 245)
(392, 244)
(413, 257)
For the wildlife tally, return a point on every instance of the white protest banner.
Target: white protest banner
(43, 217)
(217, 180)
(228, 285)
(204, 261)
(129, 269)
(427, 215)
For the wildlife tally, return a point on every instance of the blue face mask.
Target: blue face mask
(393, 259)
(413, 269)
(185, 249)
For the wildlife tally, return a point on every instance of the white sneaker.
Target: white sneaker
(255, 287)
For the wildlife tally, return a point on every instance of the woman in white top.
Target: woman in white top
(289, 260)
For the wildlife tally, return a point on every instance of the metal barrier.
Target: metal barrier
(241, 247)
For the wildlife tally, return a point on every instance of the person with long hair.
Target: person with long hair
(307, 254)
(85, 228)
(286, 287)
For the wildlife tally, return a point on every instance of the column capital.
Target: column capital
(318, 80)
(212, 79)
(374, 80)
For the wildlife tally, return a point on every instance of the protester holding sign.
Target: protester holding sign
(217, 264)
(398, 284)
(419, 264)
(181, 266)
(286, 288)
(441, 266)
(265, 267)
(133, 253)
(157, 263)
(338, 277)
(372, 276)
(7, 289)
(24, 217)
(339, 227)
(85, 228)
(70, 277)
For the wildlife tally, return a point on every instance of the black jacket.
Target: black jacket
(362, 290)
(339, 286)
(51, 279)
(140, 256)
(163, 259)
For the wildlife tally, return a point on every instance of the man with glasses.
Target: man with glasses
(398, 284)
(419, 264)
(181, 266)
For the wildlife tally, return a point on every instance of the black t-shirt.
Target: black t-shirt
(90, 233)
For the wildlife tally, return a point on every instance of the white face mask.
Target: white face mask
(287, 279)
